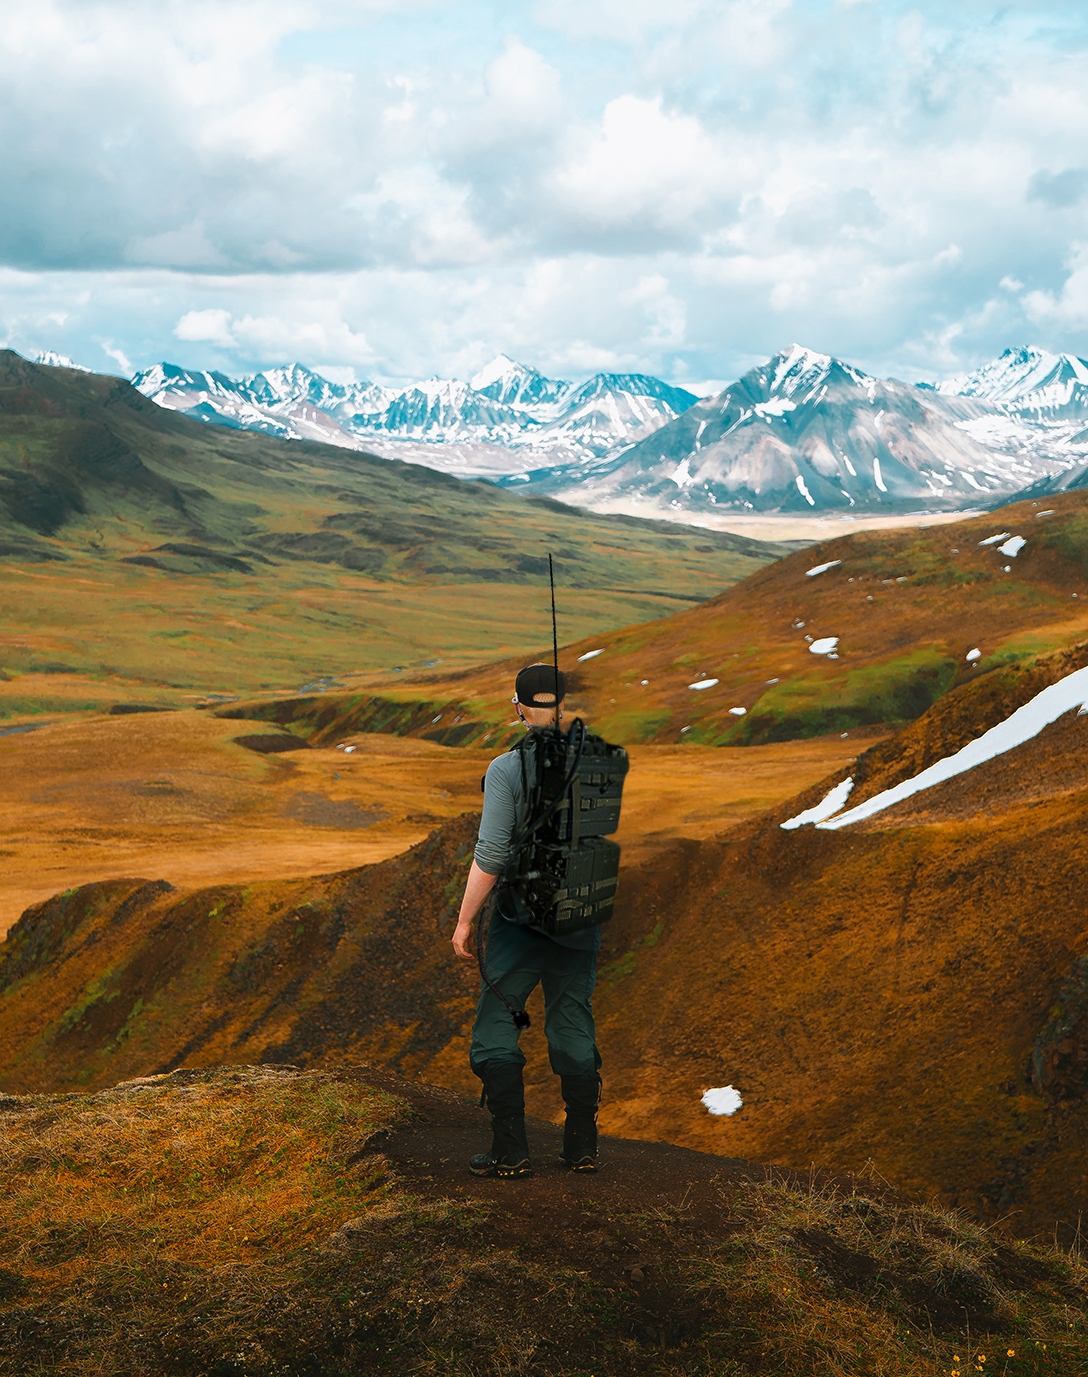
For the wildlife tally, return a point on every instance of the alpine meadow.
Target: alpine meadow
(543, 601)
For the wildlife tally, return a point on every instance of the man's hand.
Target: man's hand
(478, 887)
(462, 938)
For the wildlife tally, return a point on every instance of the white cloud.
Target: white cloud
(666, 311)
(1068, 307)
(325, 339)
(607, 183)
(188, 247)
(521, 86)
(645, 166)
(624, 21)
(420, 218)
(120, 358)
(212, 325)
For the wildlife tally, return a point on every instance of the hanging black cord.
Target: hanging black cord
(520, 1017)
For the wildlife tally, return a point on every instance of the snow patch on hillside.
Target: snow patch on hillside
(830, 804)
(723, 1100)
(1024, 724)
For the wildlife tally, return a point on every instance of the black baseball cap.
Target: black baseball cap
(540, 680)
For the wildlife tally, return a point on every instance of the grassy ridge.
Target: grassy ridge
(259, 1221)
(126, 632)
(873, 995)
(902, 609)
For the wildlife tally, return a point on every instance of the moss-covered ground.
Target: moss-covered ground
(259, 1221)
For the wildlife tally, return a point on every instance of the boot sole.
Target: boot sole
(585, 1165)
(502, 1171)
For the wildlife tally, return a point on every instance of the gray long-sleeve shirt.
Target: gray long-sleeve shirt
(505, 806)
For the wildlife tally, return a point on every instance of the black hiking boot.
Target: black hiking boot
(581, 1095)
(509, 1155)
(505, 1096)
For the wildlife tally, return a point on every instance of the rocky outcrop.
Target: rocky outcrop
(1059, 1059)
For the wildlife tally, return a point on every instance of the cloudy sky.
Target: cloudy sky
(397, 188)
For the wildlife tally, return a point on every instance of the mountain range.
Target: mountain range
(805, 432)
(113, 511)
(505, 419)
(802, 433)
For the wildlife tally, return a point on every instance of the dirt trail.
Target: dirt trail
(435, 1146)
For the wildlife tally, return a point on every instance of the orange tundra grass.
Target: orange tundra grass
(246, 1220)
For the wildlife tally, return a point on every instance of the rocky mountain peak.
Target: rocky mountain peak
(294, 383)
(505, 380)
(1027, 378)
(795, 368)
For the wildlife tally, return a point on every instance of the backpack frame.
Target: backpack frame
(562, 871)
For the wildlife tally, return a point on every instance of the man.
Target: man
(518, 958)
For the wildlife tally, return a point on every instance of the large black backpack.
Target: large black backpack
(562, 872)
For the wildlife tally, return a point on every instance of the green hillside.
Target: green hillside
(909, 613)
(140, 544)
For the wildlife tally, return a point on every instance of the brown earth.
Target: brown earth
(874, 993)
(264, 1219)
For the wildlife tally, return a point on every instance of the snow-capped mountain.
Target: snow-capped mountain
(804, 432)
(1028, 380)
(248, 403)
(1074, 476)
(505, 420)
(503, 380)
(1039, 404)
(54, 360)
(610, 409)
(438, 409)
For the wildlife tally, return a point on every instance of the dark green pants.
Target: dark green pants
(517, 960)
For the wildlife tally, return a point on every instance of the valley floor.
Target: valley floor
(799, 529)
(172, 795)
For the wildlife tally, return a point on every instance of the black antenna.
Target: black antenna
(555, 645)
